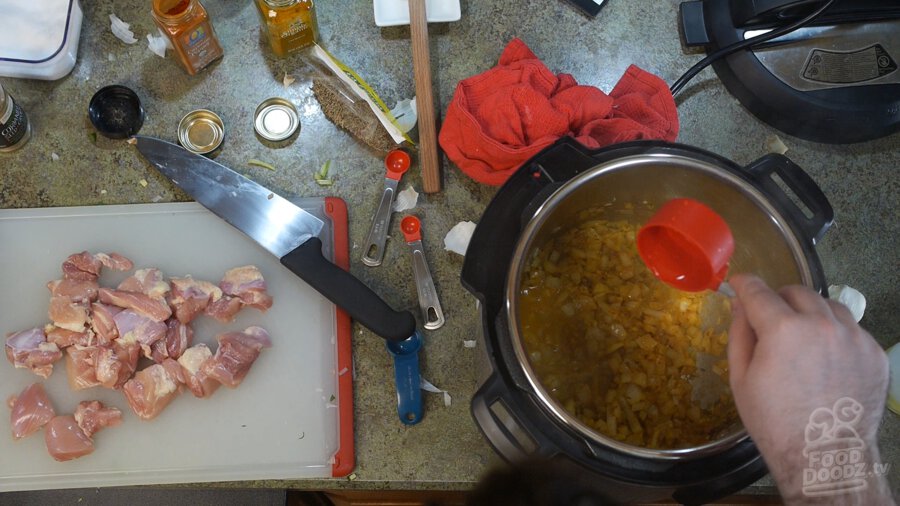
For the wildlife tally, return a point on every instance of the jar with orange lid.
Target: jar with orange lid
(187, 25)
(290, 25)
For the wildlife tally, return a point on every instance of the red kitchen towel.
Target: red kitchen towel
(499, 119)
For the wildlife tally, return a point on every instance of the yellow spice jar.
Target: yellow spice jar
(290, 25)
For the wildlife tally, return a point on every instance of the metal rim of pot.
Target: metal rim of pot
(526, 242)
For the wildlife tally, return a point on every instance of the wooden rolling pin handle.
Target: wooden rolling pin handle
(429, 159)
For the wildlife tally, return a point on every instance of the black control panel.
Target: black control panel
(589, 7)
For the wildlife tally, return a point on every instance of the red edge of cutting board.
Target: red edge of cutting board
(345, 458)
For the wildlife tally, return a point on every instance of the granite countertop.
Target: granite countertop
(446, 450)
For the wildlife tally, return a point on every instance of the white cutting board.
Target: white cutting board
(280, 423)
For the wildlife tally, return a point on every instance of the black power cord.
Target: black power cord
(745, 44)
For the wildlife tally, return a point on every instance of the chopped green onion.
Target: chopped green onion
(260, 163)
(323, 172)
(321, 176)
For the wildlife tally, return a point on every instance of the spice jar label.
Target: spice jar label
(200, 48)
(187, 25)
(289, 25)
(13, 123)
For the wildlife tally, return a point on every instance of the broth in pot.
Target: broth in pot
(627, 355)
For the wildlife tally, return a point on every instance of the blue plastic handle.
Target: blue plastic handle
(407, 378)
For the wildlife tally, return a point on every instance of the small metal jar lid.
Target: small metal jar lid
(201, 131)
(276, 119)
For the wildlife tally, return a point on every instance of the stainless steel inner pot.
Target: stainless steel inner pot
(765, 245)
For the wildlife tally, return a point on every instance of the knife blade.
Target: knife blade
(282, 228)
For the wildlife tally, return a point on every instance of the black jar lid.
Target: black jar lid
(116, 112)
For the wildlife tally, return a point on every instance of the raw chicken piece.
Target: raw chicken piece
(114, 261)
(79, 291)
(65, 440)
(81, 366)
(31, 410)
(86, 267)
(109, 365)
(68, 313)
(224, 309)
(175, 371)
(191, 362)
(178, 337)
(29, 349)
(137, 328)
(189, 297)
(154, 308)
(247, 283)
(63, 338)
(91, 416)
(116, 362)
(237, 352)
(103, 322)
(147, 281)
(81, 267)
(158, 351)
(151, 390)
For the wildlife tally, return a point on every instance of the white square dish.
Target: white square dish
(396, 12)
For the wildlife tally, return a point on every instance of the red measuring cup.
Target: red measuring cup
(686, 245)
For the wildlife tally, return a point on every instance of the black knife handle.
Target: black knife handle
(349, 293)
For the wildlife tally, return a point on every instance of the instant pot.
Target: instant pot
(834, 81)
(775, 235)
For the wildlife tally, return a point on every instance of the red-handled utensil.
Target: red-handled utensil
(428, 297)
(396, 164)
(688, 246)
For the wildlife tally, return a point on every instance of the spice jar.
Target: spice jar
(187, 25)
(289, 25)
(14, 127)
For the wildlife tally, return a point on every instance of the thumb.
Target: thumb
(741, 344)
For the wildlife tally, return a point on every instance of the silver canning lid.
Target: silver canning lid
(276, 119)
(201, 131)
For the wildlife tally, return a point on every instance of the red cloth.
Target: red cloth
(501, 118)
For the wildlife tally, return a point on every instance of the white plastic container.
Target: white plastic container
(396, 12)
(39, 39)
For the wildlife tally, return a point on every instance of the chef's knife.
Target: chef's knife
(282, 228)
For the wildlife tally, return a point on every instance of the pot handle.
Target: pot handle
(818, 215)
(723, 486)
(490, 408)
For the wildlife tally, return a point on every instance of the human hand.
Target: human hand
(794, 352)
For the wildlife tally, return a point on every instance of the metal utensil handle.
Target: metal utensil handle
(373, 253)
(428, 296)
